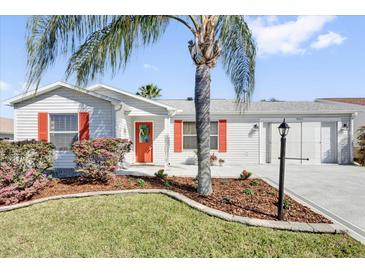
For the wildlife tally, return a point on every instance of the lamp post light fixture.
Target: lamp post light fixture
(283, 131)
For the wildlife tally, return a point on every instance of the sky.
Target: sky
(299, 58)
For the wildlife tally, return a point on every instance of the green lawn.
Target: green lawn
(150, 226)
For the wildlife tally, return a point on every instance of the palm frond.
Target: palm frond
(113, 45)
(48, 36)
(238, 54)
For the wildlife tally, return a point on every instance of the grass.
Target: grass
(150, 225)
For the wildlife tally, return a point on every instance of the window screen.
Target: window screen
(189, 135)
(63, 130)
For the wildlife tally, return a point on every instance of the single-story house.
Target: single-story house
(6, 128)
(163, 131)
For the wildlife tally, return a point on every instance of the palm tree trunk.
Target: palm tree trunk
(202, 112)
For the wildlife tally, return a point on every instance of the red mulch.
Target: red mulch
(227, 195)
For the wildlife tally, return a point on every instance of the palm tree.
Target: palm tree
(149, 91)
(100, 42)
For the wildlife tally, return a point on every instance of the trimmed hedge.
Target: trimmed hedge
(22, 167)
(98, 159)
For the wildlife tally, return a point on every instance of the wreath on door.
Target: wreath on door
(144, 133)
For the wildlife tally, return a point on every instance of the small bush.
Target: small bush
(245, 175)
(161, 174)
(98, 159)
(248, 192)
(141, 182)
(22, 167)
(254, 183)
(226, 200)
(168, 184)
(286, 204)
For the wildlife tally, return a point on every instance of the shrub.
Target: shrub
(286, 204)
(254, 183)
(141, 182)
(161, 174)
(213, 158)
(225, 200)
(98, 159)
(361, 144)
(245, 175)
(248, 192)
(168, 184)
(22, 167)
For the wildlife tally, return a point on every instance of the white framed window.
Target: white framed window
(63, 130)
(189, 135)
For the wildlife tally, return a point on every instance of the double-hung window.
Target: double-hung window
(189, 135)
(63, 130)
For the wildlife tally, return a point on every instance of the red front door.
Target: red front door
(143, 140)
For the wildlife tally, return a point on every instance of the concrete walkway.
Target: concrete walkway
(337, 191)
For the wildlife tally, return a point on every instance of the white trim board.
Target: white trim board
(35, 93)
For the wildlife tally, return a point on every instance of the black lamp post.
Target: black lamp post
(283, 131)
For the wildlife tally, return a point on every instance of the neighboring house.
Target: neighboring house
(6, 128)
(163, 131)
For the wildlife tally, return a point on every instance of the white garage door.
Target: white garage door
(311, 142)
(303, 141)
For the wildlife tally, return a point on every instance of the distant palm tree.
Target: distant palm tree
(100, 42)
(149, 91)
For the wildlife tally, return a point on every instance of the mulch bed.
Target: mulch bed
(229, 195)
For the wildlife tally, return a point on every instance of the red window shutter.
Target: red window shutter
(222, 131)
(178, 135)
(84, 131)
(43, 126)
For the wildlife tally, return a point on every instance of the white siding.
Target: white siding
(242, 141)
(127, 133)
(63, 101)
(137, 107)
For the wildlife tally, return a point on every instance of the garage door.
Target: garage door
(293, 147)
(302, 141)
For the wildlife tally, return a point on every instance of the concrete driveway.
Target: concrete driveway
(336, 190)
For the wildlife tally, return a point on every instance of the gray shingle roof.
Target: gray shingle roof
(230, 106)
